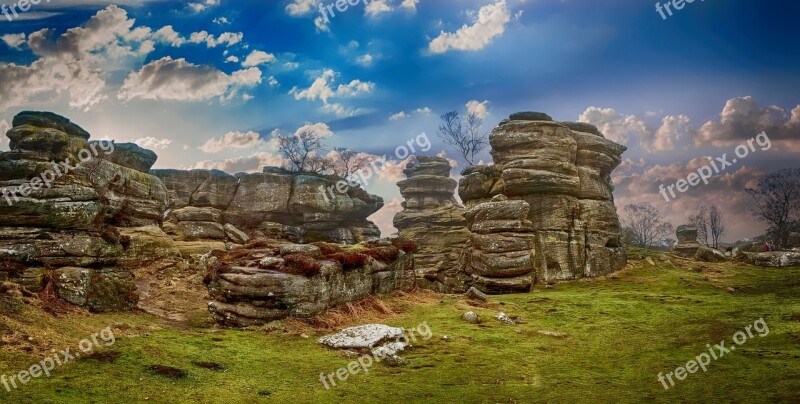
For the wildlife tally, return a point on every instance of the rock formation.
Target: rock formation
(210, 204)
(558, 175)
(65, 200)
(255, 285)
(687, 245)
(432, 218)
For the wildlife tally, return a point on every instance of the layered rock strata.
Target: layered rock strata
(433, 219)
(210, 204)
(687, 245)
(65, 199)
(272, 283)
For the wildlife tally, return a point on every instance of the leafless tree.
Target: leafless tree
(776, 201)
(645, 224)
(464, 134)
(716, 225)
(700, 222)
(348, 162)
(299, 150)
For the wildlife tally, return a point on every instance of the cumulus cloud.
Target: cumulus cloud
(254, 163)
(324, 89)
(616, 127)
(301, 7)
(179, 80)
(425, 111)
(478, 108)
(742, 118)
(377, 7)
(398, 116)
(257, 58)
(14, 40)
(384, 218)
(153, 143)
(409, 5)
(199, 7)
(233, 140)
(672, 129)
(320, 129)
(226, 39)
(490, 23)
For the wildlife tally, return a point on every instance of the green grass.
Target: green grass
(622, 331)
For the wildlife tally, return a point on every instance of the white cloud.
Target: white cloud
(398, 116)
(742, 118)
(233, 140)
(14, 40)
(377, 7)
(616, 127)
(490, 23)
(152, 143)
(273, 82)
(424, 111)
(322, 24)
(478, 108)
(301, 7)
(321, 88)
(254, 163)
(257, 58)
(179, 80)
(365, 60)
(227, 39)
(232, 59)
(221, 21)
(664, 138)
(202, 6)
(409, 4)
(320, 129)
(168, 35)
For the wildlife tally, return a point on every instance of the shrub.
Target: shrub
(405, 244)
(350, 259)
(301, 264)
(384, 254)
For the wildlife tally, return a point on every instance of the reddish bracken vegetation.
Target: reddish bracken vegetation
(328, 249)
(383, 254)
(405, 244)
(301, 264)
(350, 259)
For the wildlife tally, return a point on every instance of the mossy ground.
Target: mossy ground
(621, 332)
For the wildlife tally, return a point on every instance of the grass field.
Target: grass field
(621, 332)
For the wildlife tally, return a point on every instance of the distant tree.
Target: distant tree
(646, 225)
(300, 149)
(710, 225)
(716, 225)
(776, 201)
(347, 162)
(464, 134)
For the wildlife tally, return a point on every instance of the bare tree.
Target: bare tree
(464, 134)
(700, 222)
(299, 149)
(645, 224)
(776, 200)
(348, 162)
(716, 225)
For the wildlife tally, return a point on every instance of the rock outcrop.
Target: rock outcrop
(687, 245)
(434, 220)
(65, 199)
(213, 205)
(255, 285)
(563, 172)
(774, 259)
(543, 212)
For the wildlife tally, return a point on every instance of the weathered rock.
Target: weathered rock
(236, 235)
(476, 294)
(707, 254)
(530, 116)
(471, 317)
(366, 336)
(133, 156)
(50, 120)
(687, 245)
(99, 290)
(774, 259)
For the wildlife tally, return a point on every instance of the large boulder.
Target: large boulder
(687, 245)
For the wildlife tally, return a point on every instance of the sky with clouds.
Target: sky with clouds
(209, 83)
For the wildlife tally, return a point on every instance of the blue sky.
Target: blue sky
(207, 84)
